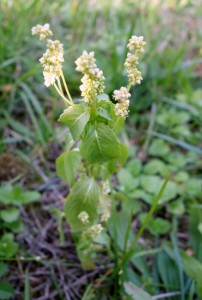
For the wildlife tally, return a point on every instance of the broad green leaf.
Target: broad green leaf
(67, 165)
(126, 180)
(169, 193)
(6, 290)
(156, 166)
(151, 184)
(115, 164)
(10, 214)
(103, 97)
(135, 292)
(101, 145)
(75, 117)
(194, 188)
(14, 195)
(159, 226)
(159, 148)
(29, 197)
(8, 247)
(141, 194)
(16, 226)
(103, 113)
(83, 197)
(181, 176)
(176, 207)
(134, 166)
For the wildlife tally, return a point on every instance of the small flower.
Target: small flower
(83, 217)
(121, 109)
(121, 95)
(94, 231)
(136, 44)
(86, 63)
(43, 31)
(52, 61)
(93, 79)
(134, 76)
(105, 216)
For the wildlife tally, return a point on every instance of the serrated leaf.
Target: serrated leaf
(75, 117)
(83, 197)
(101, 145)
(10, 214)
(67, 165)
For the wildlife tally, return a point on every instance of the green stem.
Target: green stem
(66, 88)
(61, 95)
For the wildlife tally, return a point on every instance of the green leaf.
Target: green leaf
(194, 188)
(150, 184)
(6, 290)
(29, 197)
(134, 166)
(159, 148)
(103, 113)
(159, 226)
(126, 180)
(191, 266)
(10, 214)
(16, 196)
(156, 166)
(101, 145)
(8, 247)
(83, 197)
(135, 292)
(176, 207)
(16, 226)
(3, 269)
(67, 165)
(103, 97)
(75, 117)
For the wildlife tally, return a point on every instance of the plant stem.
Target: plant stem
(63, 97)
(66, 88)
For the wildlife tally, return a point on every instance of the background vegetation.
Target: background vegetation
(163, 133)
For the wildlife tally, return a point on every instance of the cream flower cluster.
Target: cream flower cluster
(83, 217)
(43, 31)
(53, 57)
(52, 62)
(93, 79)
(136, 46)
(94, 231)
(122, 97)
